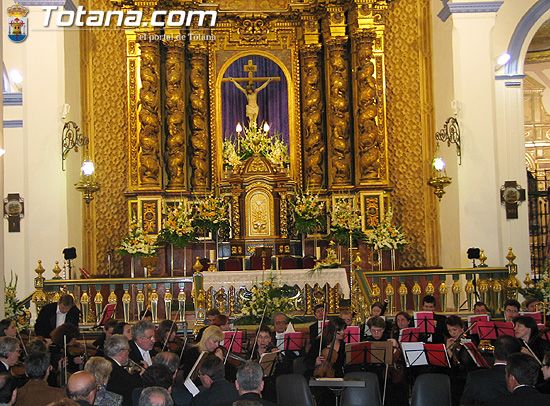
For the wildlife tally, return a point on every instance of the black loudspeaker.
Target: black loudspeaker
(70, 253)
(473, 253)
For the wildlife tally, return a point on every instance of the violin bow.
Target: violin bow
(21, 339)
(258, 332)
(183, 347)
(322, 328)
(230, 346)
(531, 351)
(85, 347)
(169, 333)
(65, 352)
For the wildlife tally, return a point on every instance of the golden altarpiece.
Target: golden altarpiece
(356, 116)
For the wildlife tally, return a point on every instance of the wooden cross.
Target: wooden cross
(250, 68)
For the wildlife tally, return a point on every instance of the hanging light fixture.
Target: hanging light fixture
(439, 179)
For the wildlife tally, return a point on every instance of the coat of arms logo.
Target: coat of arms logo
(17, 23)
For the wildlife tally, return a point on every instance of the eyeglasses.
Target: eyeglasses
(547, 364)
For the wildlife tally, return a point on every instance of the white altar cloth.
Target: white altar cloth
(300, 277)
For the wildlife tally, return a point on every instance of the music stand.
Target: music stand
(371, 352)
(476, 355)
(294, 341)
(534, 315)
(351, 334)
(476, 319)
(267, 362)
(425, 321)
(106, 314)
(419, 354)
(409, 335)
(237, 346)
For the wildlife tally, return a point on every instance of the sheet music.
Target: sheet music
(191, 387)
(414, 354)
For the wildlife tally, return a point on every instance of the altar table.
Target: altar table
(300, 277)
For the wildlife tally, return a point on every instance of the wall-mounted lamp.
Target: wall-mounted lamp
(439, 179)
(450, 133)
(72, 138)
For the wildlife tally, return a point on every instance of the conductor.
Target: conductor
(54, 315)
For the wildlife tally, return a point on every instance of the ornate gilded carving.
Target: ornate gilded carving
(369, 137)
(338, 113)
(149, 213)
(175, 137)
(199, 119)
(259, 213)
(312, 110)
(149, 115)
(283, 216)
(235, 216)
(254, 30)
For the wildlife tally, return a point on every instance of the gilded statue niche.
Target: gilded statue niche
(257, 86)
(259, 209)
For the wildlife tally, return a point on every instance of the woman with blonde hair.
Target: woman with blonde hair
(210, 340)
(101, 369)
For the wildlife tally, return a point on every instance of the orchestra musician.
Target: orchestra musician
(9, 353)
(526, 329)
(531, 304)
(165, 334)
(285, 364)
(315, 328)
(64, 334)
(481, 308)
(264, 343)
(347, 316)
(511, 309)
(121, 381)
(377, 309)
(108, 331)
(428, 305)
(123, 328)
(141, 345)
(8, 328)
(402, 320)
(54, 315)
(210, 340)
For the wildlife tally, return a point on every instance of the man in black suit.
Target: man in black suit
(120, 380)
(82, 388)
(486, 384)
(250, 383)
(216, 390)
(9, 353)
(428, 305)
(141, 347)
(285, 364)
(522, 372)
(315, 328)
(55, 314)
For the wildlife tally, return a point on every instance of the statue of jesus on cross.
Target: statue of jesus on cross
(250, 91)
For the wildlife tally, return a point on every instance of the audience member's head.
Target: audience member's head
(8, 328)
(521, 369)
(211, 369)
(250, 378)
(157, 375)
(428, 303)
(143, 334)
(9, 350)
(100, 368)
(8, 389)
(525, 328)
(506, 346)
(37, 365)
(511, 309)
(481, 308)
(210, 339)
(168, 359)
(117, 347)
(280, 322)
(82, 386)
(155, 396)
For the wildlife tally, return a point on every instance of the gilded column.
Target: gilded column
(312, 104)
(150, 173)
(367, 38)
(338, 111)
(199, 118)
(175, 111)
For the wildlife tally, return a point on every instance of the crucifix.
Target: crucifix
(250, 91)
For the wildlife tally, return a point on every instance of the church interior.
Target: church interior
(337, 152)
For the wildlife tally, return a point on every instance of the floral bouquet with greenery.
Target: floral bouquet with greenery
(345, 219)
(267, 295)
(330, 262)
(308, 212)
(14, 309)
(386, 236)
(137, 243)
(255, 140)
(177, 227)
(211, 213)
(540, 291)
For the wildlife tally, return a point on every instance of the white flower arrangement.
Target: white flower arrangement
(137, 243)
(385, 235)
